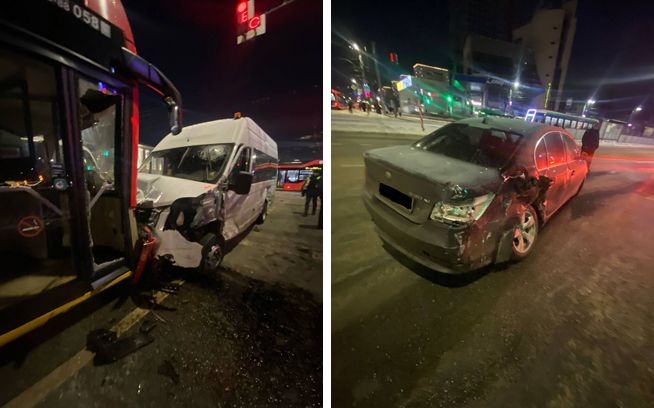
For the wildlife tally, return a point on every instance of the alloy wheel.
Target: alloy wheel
(524, 234)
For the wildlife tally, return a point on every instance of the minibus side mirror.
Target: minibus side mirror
(241, 182)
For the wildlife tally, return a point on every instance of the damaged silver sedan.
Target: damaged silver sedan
(472, 193)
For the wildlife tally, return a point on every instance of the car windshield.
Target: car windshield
(483, 146)
(203, 163)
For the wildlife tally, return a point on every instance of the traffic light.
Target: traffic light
(248, 24)
(393, 57)
(242, 16)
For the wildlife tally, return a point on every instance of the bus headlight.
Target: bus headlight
(465, 212)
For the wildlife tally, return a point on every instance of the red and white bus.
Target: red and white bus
(338, 100)
(291, 176)
(69, 76)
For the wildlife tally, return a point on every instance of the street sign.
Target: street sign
(248, 24)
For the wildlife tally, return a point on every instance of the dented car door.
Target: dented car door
(237, 205)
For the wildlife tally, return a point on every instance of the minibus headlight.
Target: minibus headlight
(465, 211)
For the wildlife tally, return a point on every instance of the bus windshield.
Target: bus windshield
(204, 163)
(485, 147)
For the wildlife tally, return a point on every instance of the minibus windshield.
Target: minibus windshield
(204, 163)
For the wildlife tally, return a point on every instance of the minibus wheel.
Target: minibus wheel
(264, 213)
(212, 254)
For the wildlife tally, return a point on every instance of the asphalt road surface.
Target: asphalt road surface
(253, 338)
(570, 326)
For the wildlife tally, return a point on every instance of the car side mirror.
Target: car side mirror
(241, 182)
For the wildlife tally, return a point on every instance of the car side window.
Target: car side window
(571, 148)
(541, 155)
(555, 149)
(242, 163)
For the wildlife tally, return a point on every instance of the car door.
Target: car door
(237, 210)
(557, 171)
(576, 165)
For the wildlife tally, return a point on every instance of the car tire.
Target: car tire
(212, 254)
(264, 214)
(525, 233)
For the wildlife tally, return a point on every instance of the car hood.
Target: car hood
(163, 190)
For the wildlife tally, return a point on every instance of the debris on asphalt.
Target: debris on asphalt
(108, 348)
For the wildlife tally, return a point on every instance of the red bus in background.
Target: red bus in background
(338, 100)
(291, 176)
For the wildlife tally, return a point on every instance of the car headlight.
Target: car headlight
(466, 211)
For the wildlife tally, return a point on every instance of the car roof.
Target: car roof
(520, 126)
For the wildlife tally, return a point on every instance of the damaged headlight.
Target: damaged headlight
(466, 211)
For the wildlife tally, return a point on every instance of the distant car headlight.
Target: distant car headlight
(465, 212)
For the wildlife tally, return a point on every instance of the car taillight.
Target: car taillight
(466, 211)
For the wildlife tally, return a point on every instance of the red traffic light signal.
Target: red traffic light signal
(242, 12)
(242, 16)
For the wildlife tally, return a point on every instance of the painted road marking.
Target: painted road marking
(40, 390)
(351, 165)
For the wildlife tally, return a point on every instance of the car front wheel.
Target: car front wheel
(212, 254)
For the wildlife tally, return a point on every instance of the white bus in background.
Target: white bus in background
(203, 189)
(610, 129)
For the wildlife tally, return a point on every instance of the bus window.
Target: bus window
(559, 122)
(281, 177)
(292, 176)
(573, 125)
(35, 229)
(265, 167)
(566, 124)
(548, 120)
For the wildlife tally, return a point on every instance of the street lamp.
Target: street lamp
(639, 108)
(356, 47)
(354, 81)
(516, 84)
(588, 103)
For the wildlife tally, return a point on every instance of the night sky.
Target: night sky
(276, 79)
(612, 53)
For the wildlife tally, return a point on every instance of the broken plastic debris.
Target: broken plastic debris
(109, 348)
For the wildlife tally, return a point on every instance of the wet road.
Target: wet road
(571, 326)
(253, 338)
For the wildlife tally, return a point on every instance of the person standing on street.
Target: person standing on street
(312, 189)
(590, 143)
(350, 105)
(393, 108)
